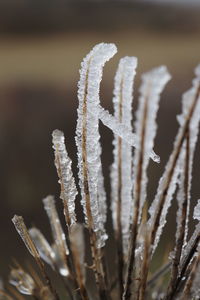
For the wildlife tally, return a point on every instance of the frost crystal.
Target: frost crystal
(66, 179)
(196, 214)
(121, 172)
(87, 136)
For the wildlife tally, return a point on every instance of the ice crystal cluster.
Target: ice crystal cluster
(137, 223)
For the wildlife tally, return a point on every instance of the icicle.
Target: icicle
(22, 281)
(66, 179)
(122, 152)
(87, 133)
(122, 131)
(43, 247)
(60, 246)
(189, 119)
(196, 214)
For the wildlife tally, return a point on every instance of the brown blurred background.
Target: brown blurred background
(41, 46)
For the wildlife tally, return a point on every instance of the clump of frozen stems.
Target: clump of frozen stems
(137, 224)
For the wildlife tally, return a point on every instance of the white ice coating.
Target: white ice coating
(64, 170)
(122, 131)
(43, 247)
(152, 85)
(122, 101)
(196, 214)
(88, 96)
(189, 99)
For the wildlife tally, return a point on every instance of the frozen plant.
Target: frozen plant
(137, 224)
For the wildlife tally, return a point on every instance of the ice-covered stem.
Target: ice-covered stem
(121, 171)
(153, 83)
(25, 236)
(87, 140)
(66, 178)
(167, 184)
(186, 259)
(68, 195)
(190, 280)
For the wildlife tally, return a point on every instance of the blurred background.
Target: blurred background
(42, 44)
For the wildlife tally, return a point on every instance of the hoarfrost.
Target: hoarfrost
(66, 178)
(87, 133)
(122, 187)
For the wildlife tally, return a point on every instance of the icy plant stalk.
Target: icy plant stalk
(87, 138)
(152, 85)
(121, 171)
(66, 179)
(89, 150)
(167, 184)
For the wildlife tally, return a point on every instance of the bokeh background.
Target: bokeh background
(41, 46)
